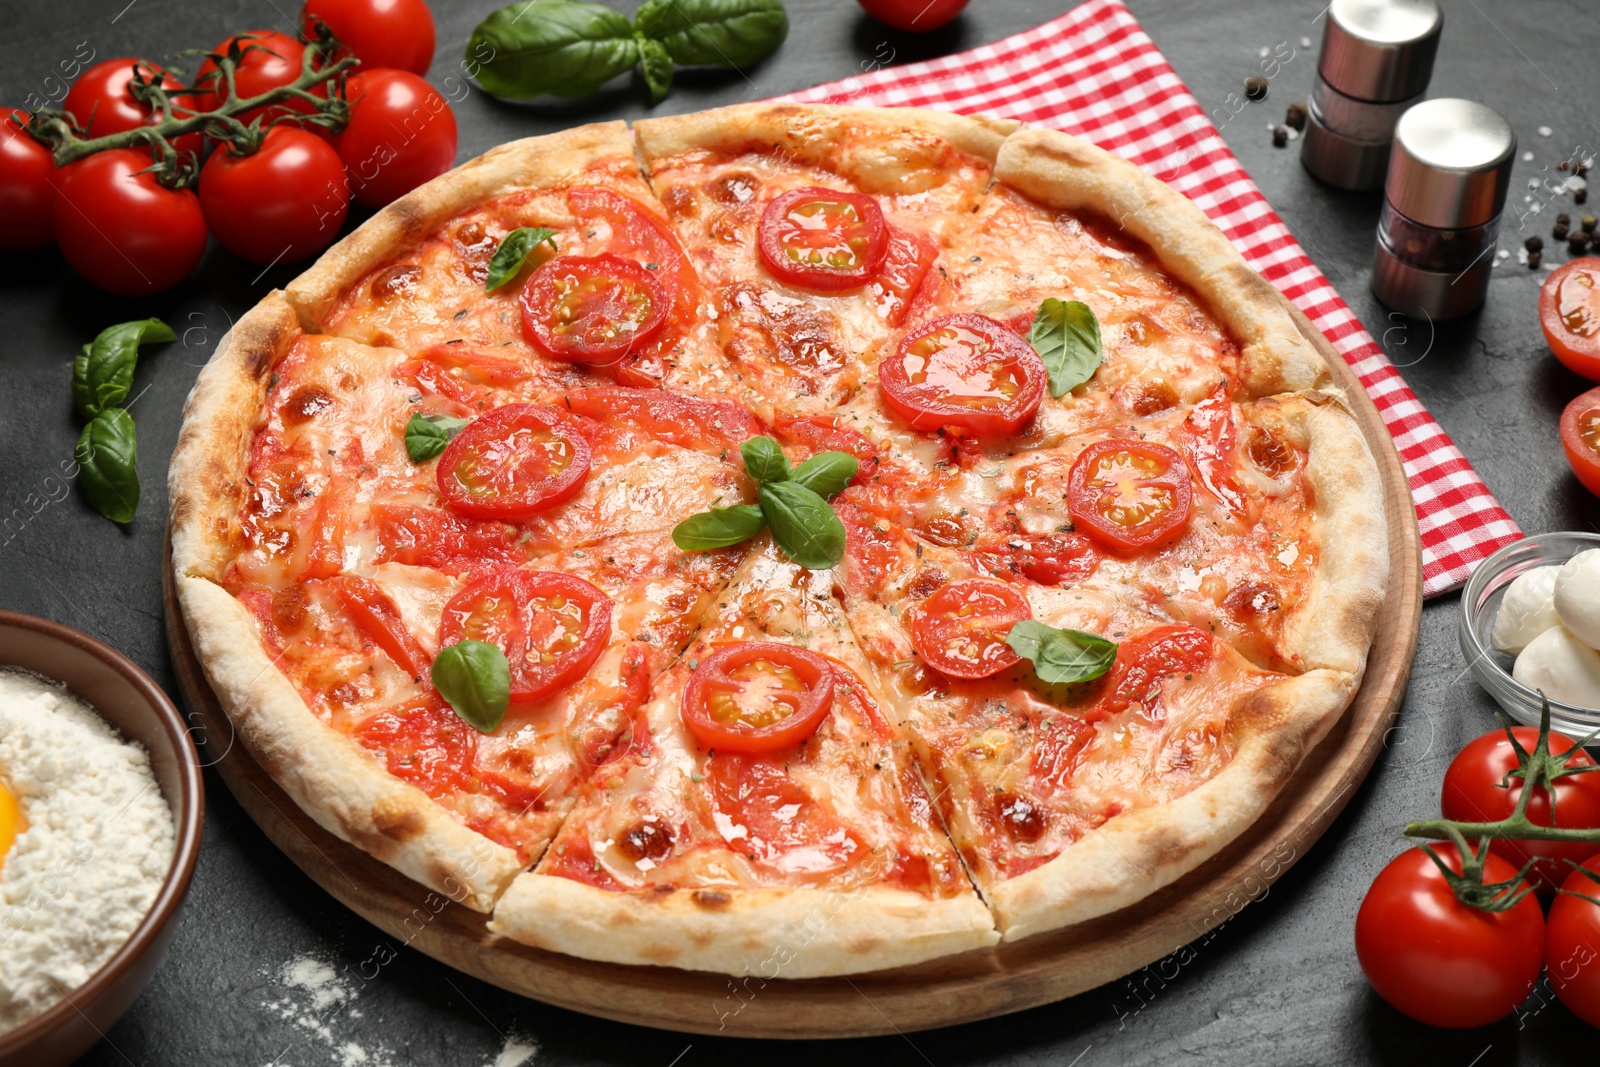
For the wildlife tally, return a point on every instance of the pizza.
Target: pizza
(782, 540)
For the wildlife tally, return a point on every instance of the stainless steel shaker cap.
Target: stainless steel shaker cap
(1451, 163)
(1380, 50)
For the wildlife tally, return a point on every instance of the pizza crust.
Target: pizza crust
(767, 933)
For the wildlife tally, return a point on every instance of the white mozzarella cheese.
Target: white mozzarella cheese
(1527, 610)
(1577, 596)
(1563, 668)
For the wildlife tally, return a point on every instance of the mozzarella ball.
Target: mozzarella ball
(1562, 667)
(1527, 610)
(1577, 596)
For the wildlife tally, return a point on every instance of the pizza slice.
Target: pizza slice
(770, 821)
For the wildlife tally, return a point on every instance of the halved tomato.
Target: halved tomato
(592, 309)
(377, 617)
(551, 626)
(961, 629)
(1130, 495)
(1580, 437)
(757, 696)
(513, 463)
(963, 372)
(1569, 312)
(823, 239)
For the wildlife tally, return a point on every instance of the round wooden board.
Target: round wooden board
(976, 985)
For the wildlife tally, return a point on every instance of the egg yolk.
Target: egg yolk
(11, 821)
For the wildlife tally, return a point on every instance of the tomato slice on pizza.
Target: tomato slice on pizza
(513, 463)
(822, 239)
(1130, 495)
(966, 373)
(551, 626)
(592, 309)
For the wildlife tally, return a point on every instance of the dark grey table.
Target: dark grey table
(267, 969)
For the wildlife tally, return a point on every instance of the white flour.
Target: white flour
(97, 848)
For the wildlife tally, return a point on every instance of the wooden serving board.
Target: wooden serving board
(976, 985)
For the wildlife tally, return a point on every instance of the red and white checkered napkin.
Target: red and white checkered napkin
(1094, 73)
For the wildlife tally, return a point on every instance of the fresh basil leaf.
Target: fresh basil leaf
(803, 524)
(474, 677)
(719, 33)
(1066, 335)
(102, 374)
(764, 460)
(513, 252)
(1061, 656)
(108, 464)
(718, 528)
(426, 435)
(559, 47)
(656, 67)
(826, 473)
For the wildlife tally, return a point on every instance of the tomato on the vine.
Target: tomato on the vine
(381, 33)
(123, 230)
(757, 696)
(102, 104)
(513, 463)
(1580, 438)
(1572, 942)
(961, 629)
(1473, 793)
(279, 204)
(27, 189)
(963, 372)
(270, 59)
(401, 134)
(1129, 494)
(1569, 314)
(1438, 960)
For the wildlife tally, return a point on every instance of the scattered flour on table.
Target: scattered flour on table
(99, 842)
(516, 1052)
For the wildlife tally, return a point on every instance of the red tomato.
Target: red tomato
(1212, 437)
(757, 696)
(124, 231)
(825, 433)
(961, 630)
(914, 16)
(513, 463)
(426, 537)
(269, 59)
(551, 626)
(963, 372)
(1438, 960)
(685, 421)
(592, 309)
(401, 133)
(1473, 793)
(1572, 942)
(102, 104)
(1569, 312)
(1129, 495)
(906, 261)
(281, 204)
(1580, 437)
(372, 610)
(27, 187)
(381, 33)
(1049, 559)
(424, 743)
(822, 239)
(1145, 661)
(787, 830)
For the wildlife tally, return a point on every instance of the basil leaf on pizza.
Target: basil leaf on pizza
(716, 33)
(826, 473)
(108, 464)
(513, 252)
(803, 524)
(764, 460)
(1061, 656)
(555, 47)
(719, 527)
(426, 435)
(1066, 335)
(102, 374)
(475, 680)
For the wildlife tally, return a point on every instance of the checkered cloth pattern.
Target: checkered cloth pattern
(1094, 73)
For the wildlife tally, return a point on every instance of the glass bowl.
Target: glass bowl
(1480, 602)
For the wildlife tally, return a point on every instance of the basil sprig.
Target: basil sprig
(1066, 335)
(572, 47)
(794, 503)
(102, 374)
(513, 252)
(475, 680)
(1060, 657)
(426, 435)
(107, 451)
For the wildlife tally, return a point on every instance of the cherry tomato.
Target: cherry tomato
(592, 309)
(963, 372)
(914, 16)
(513, 463)
(1572, 942)
(757, 696)
(27, 187)
(822, 239)
(1569, 312)
(1438, 960)
(281, 204)
(1473, 793)
(401, 133)
(961, 629)
(1129, 495)
(102, 104)
(381, 33)
(551, 626)
(124, 231)
(270, 59)
(1580, 437)
(377, 617)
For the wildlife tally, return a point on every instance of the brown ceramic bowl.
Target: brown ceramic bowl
(127, 699)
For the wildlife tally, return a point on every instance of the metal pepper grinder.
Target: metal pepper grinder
(1377, 57)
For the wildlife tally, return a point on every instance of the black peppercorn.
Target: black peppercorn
(1280, 136)
(1580, 196)
(1563, 219)
(1255, 87)
(1559, 231)
(1533, 261)
(1295, 117)
(1578, 243)
(1534, 243)
(1588, 223)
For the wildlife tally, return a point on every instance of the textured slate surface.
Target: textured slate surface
(1278, 984)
